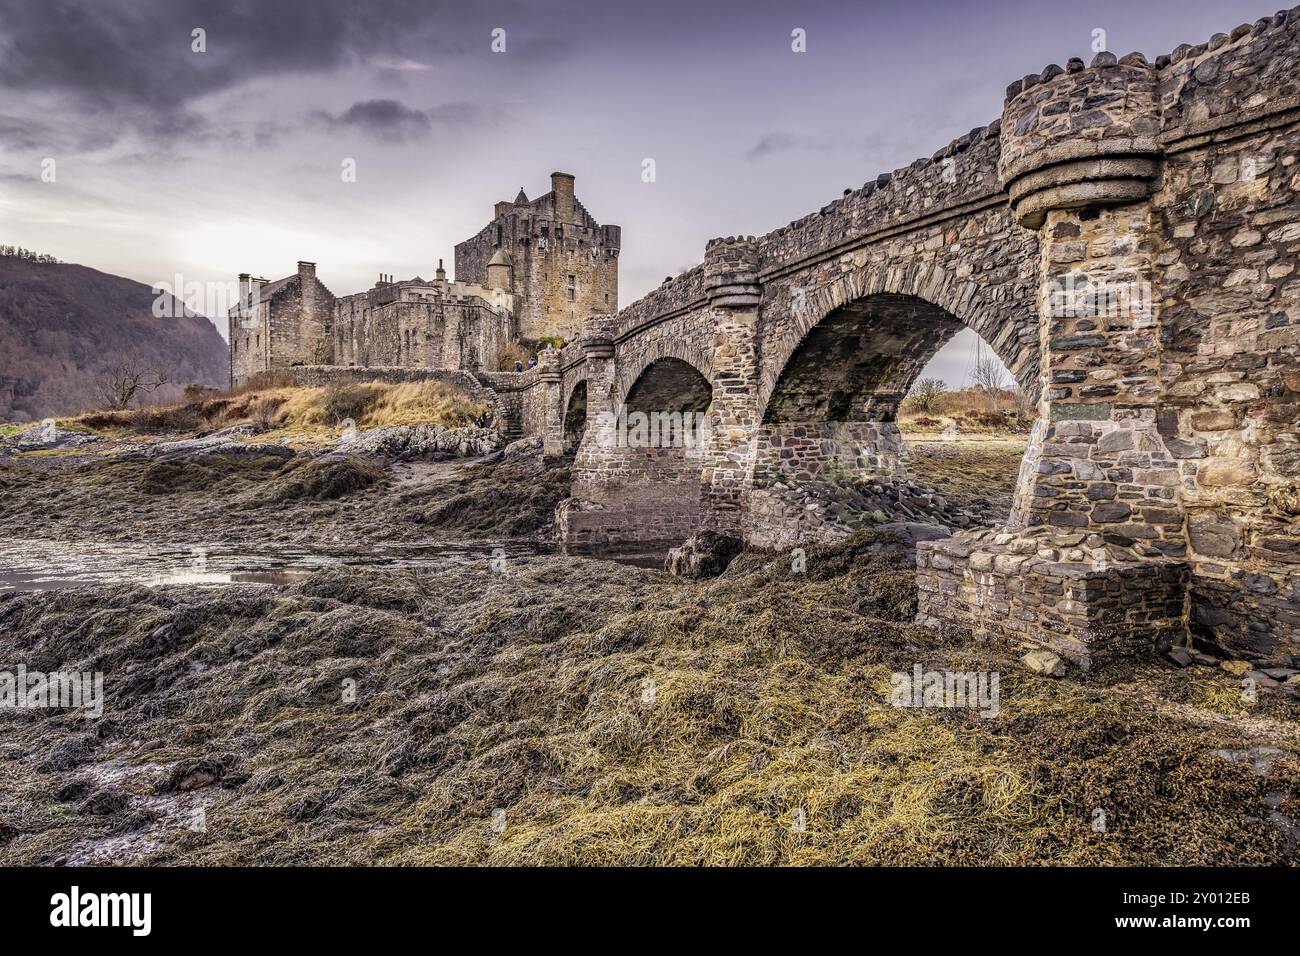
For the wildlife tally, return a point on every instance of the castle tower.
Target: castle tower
(551, 254)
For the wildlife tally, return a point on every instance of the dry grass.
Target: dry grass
(302, 411)
(510, 353)
(971, 410)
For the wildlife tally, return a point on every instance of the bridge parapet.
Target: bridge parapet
(731, 272)
(1080, 136)
(957, 177)
(1253, 70)
(674, 295)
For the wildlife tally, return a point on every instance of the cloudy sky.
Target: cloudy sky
(169, 161)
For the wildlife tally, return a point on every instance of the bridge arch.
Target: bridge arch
(638, 473)
(574, 415)
(828, 402)
(1005, 315)
(656, 351)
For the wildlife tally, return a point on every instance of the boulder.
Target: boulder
(1046, 663)
(44, 437)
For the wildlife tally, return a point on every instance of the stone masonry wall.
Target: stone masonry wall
(1047, 589)
(299, 323)
(1230, 221)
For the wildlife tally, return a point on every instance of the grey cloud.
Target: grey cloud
(396, 122)
(384, 119)
(21, 134)
(772, 143)
(135, 57)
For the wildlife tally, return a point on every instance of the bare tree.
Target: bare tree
(126, 379)
(990, 377)
(1022, 403)
(926, 393)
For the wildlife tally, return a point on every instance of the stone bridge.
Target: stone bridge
(1125, 237)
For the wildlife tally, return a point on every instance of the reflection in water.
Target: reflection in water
(35, 565)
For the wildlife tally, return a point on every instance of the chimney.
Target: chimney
(243, 288)
(441, 274)
(562, 187)
(306, 269)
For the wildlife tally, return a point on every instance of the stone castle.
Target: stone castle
(536, 271)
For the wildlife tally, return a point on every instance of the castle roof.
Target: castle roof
(522, 198)
(271, 288)
(500, 259)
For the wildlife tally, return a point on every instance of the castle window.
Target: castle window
(572, 279)
(570, 292)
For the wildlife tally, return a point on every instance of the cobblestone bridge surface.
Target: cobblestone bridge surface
(1125, 236)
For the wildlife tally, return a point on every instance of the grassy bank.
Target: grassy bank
(293, 411)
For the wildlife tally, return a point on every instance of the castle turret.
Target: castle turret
(562, 188)
(498, 271)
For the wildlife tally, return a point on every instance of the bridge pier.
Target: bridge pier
(552, 402)
(731, 282)
(1091, 560)
(792, 457)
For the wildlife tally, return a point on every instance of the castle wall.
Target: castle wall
(300, 320)
(248, 342)
(422, 326)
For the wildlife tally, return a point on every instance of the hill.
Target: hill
(63, 326)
